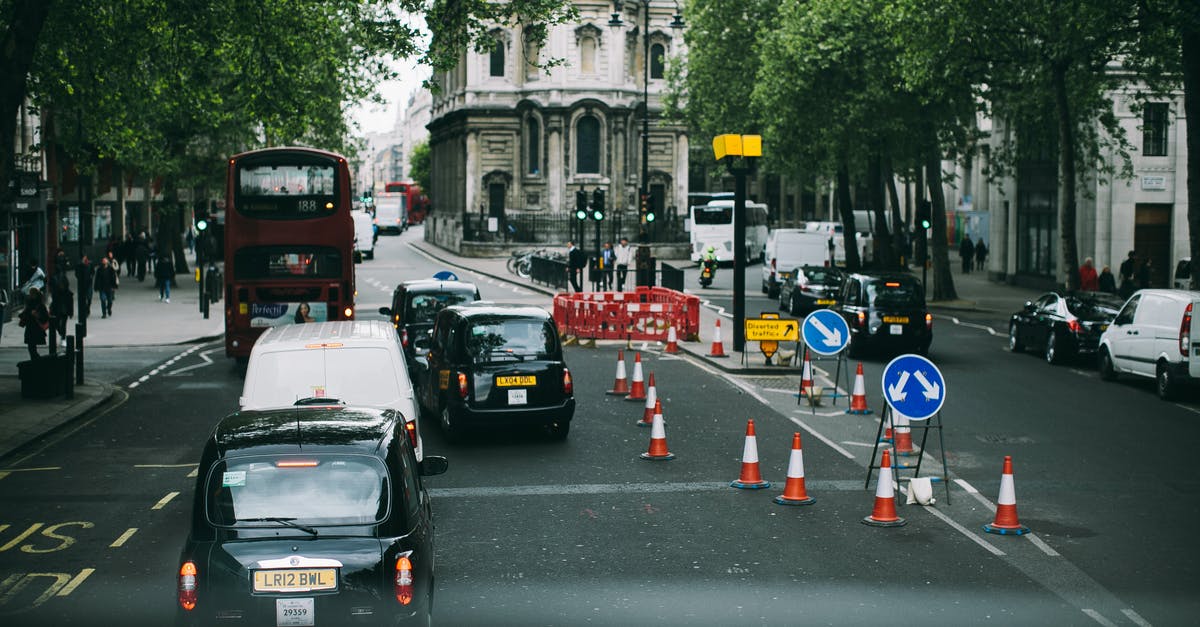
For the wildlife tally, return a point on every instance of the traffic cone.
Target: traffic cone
(638, 391)
(884, 514)
(750, 478)
(903, 434)
(658, 441)
(793, 490)
(858, 399)
(652, 404)
(718, 349)
(621, 386)
(1006, 522)
(806, 380)
(672, 342)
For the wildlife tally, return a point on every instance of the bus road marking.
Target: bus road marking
(164, 500)
(119, 542)
(74, 583)
(194, 473)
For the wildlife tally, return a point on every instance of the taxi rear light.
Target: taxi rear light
(403, 585)
(1185, 330)
(404, 338)
(1074, 325)
(861, 318)
(892, 284)
(411, 429)
(462, 384)
(187, 586)
(325, 345)
(568, 384)
(296, 463)
(929, 321)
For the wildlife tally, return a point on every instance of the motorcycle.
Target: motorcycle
(708, 269)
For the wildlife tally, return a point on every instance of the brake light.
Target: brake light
(772, 264)
(568, 383)
(296, 463)
(462, 384)
(404, 338)
(404, 580)
(929, 321)
(348, 313)
(187, 586)
(861, 318)
(410, 428)
(1185, 330)
(892, 284)
(1074, 326)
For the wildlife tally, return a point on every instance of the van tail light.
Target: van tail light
(929, 321)
(462, 384)
(410, 428)
(1074, 326)
(1185, 330)
(404, 338)
(187, 585)
(861, 318)
(404, 580)
(568, 383)
(773, 265)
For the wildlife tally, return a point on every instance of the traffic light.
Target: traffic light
(646, 210)
(581, 202)
(923, 214)
(597, 204)
(201, 221)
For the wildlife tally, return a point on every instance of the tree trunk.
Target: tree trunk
(1066, 178)
(25, 19)
(847, 211)
(1190, 31)
(943, 283)
(898, 223)
(882, 242)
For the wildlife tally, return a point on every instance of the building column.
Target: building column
(555, 179)
(681, 173)
(471, 186)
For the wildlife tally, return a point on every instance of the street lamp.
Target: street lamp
(740, 153)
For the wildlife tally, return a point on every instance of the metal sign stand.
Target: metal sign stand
(838, 374)
(933, 422)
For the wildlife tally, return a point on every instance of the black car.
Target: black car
(886, 311)
(497, 366)
(309, 516)
(414, 306)
(808, 288)
(1062, 326)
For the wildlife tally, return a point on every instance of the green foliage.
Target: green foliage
(419, 166)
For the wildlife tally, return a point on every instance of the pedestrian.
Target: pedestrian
(164, 273)
(141, 255)
(607, 261)
(1145, 274)
(62, 303)
(1127, 270)
(85, 276)
(966, 250)
(576, 262)
(981, 253)
(1107, 282)
(191, 240)
(36, 321)
(107, 282)
(61, 261)
(126, 254)
(1089, 281)
(622, 255)
(3, 309)
(35, 278)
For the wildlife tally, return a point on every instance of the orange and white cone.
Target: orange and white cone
(1006, 522)
(806, 380)
(658, 442)
(652, 404)
(638, 391)
(858, 398)
(903, 434)
(793, 490)
(621, 386)
(718, 349)
(750, 478)
(884, 513)
(672, 341)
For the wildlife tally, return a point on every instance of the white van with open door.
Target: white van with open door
(1153, 336)
(788, 249)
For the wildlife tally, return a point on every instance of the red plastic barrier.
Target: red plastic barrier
(644, 314)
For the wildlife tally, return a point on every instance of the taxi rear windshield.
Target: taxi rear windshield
(423, 308)
(308, 490)
(287, 262)
(500, 339)
(896, 294)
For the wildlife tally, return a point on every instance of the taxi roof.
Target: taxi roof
(483, 308)
(434, 285)
(312, 429)
(348, 332)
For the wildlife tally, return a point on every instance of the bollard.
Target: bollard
(53, 336)
(68, 361)
(80, 333)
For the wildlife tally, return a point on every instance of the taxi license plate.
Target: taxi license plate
(295, 580)
(508, 382)
(895, 319)
(295, 613)
(826, 301)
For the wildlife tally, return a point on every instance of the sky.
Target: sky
(375, 118)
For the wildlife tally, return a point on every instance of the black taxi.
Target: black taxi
(416, 303)
(493, 365)
(885, 311)
(309, 516)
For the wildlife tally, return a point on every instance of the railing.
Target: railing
(671, 277)
(555, 228)
(549, 271)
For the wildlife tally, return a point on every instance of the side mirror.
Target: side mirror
(433, 465)
(387, 311)
(1028, 307)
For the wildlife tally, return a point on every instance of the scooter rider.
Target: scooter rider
(708, 266)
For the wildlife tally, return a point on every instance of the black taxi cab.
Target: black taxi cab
(493, 365)
(311, 515)
(885, 311)
(416, 303)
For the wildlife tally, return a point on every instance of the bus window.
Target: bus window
(279, 262)
(710, 214)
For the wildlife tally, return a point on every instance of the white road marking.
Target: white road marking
(848, 443)
(963, 530)
(971, 325)
(1041, 544)
(204, 356)
(1099, 618)
(1137, 619)
(833, 445)
(1191, 409)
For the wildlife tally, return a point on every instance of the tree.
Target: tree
(419, 166)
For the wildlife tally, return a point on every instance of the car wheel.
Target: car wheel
(784, 305)
(764, 288)
(558, 430)
(1014, 342)
(1164, 382)
(452, 431)
(1052, 353)
(1107, 371)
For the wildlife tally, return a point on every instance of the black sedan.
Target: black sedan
(1061, 326)
(808, 288)
(309, 516)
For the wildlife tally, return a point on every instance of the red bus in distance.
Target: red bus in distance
(416, 203)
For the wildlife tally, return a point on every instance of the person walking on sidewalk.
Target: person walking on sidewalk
(1107, 282)
(1089, 281)
(981, 253)
(622, 254)
(62, 301)
(1127, 270)
(164, 273)
(85, 276)
(141, 254)
(966, 250)
(36, 278)
(576, 262)
(107, 281)
(36, 321)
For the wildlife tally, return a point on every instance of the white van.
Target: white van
(390, 213)
(788, 249)
(353, 362)
(1153, 336)
(364, 235)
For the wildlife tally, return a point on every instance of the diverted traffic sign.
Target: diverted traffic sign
(768, 330)
(825, 332)
(913, 386)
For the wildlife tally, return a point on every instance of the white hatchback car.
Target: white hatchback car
(1153, 336)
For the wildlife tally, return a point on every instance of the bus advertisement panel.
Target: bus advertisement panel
(289, 240)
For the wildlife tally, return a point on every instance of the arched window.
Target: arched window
(587, 150)
(497, 59)
(533, 142)
(587, 55)
(658, 60)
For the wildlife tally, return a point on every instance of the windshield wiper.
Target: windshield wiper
(287, 522)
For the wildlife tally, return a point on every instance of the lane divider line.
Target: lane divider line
(1135, 617)
(1098, 617)
(120, 541)
(164, 500)
(963, 530)
(833, 445)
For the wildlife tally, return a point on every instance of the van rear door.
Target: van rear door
(1192, 338)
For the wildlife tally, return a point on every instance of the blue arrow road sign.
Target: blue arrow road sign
(913, 386)
(825, 332)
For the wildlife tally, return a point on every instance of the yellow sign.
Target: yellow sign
(758, 330)
(768, 347)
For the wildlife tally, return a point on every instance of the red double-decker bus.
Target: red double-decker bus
(289, 240)
(415, 203)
